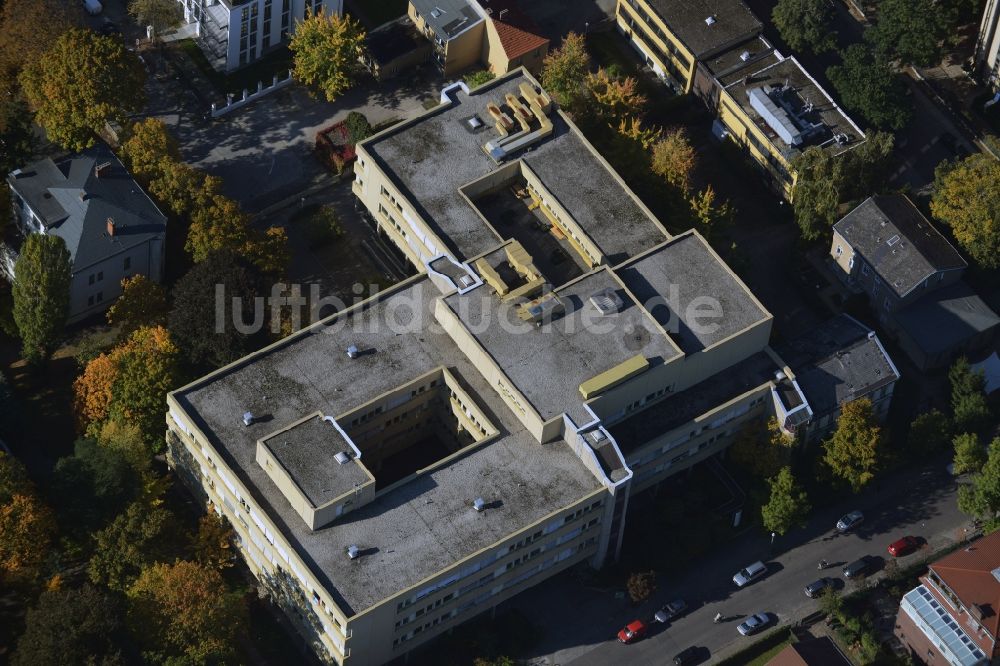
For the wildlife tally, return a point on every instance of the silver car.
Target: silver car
(670, 611)
(753, 624)
(850, 521)
(749, 574)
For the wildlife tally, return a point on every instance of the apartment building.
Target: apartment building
(951, 617)
(235, 33)
(111, 227)
(986, 61)
(765, 101)
(465, 34)
(912, 276)
(415, 459)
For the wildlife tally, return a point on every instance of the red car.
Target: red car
(633, 631)
(904, 546)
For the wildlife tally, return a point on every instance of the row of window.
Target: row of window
(671, 53)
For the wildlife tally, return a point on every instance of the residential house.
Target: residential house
(953, 615)
(912, 276)
(111, 227)
(465, 34)
(235, 33)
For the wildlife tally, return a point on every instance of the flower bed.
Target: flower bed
(334, 149)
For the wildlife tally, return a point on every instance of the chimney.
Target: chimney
(102, 170)
(111, 227)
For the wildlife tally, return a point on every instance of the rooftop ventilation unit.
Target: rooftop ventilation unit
(546, 307)
(248, 418)
(467, 280)
(893, 240)
(596, 436)
(352, 351)
(479, 504)
(607, 301)
(996, 574)
(745, 56)
(779, 375)
(710, 20)
(353, 552)
(436, 12)
(475, 122)
(776, 117)
(342, 458)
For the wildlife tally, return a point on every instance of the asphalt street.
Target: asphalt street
(581, 624)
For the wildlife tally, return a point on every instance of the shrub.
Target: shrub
(322, 227)
(357, 126)
(476, 79)
(641, 585)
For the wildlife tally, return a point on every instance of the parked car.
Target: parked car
(753, 624)
(850, 521)
(903, 546)
(689, 655)
(749, 574)
(93, 7)
(109, 27)
(671, 610)
(815, 588)
(633, 631)
(857, 568)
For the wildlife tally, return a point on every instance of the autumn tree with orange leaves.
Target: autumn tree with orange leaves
(27, 526)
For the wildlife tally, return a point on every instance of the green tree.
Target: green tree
(788, 505)
(326, 49)
(17, 143)
(912, 31)
(852, 453)
(971, 411)
(83, 81)
(139, 537)
(564, 71)
(710, 217)
(41, 294)
(126, 439)
(212, 545)
(192, 320)
(357, 126)
(982, 497)
(148, 368)
(868, 86)
(91, 486)
(182, 188)
(183, 613)
(970, 456)
(162, 15)
(762, 451)
(27, 28)
(805, 25)
(72, 626)
(150, 149)
(142, 303)
(674, 159)
(967, 198)
(929, 433)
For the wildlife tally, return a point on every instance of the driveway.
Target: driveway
(580, 623)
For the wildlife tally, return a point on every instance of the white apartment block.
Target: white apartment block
(234, 33)
(412, 461)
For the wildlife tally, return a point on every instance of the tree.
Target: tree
(968, 398)
(805, 25)
(202, 326)
(182, 188)
(221, 225)
(970, 455)
(139, 537)
(929, 433)
(967, 198)
(852, 453)
(831, 603)
(162, 15)
(26, 525)
(868, 85)
(709, 217)
(17, 142)
(93, 391)
(564, 71)
(982, 497)
(912, 31)
(641, 585)
(10, 409)
(27, 28)
(72, 626)
(674, 159)
(142, 303)
(325, 52)
(41, 294)
(212, 545)
(788, 505)
(148, 369)
(127, 441)
(268, 251)
(613, 98)
(92, 485)
(149, 149)
(357, 126)
(761, 451)
(183, 610)
(83, 81)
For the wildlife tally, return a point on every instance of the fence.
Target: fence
(232, 105)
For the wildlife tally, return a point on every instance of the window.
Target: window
(885, 303)
(90, 300)
(128, 263)
(864, 268)
(100, 276)
(91, 280)
(100, 296)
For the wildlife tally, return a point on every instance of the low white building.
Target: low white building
(234, 33)
(111, 227)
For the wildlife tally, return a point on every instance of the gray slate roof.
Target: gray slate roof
(686, 19)
(837, 362)
(448, 18)
(74, 204)
(899, 243)
(945, 319)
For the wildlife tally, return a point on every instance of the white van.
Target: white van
(93, 7)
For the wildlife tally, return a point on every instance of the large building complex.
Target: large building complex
(415, 459)
(765, 101)
(234, 33)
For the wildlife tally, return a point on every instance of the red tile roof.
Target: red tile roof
(518, 33)
(968, 572)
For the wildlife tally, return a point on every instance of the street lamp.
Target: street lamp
(586, 27)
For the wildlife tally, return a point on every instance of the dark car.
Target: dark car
(857, 568)
(904, 546)
(671, 611)
(815, 588)
(689, 655)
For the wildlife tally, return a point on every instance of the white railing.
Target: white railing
(233, 104)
